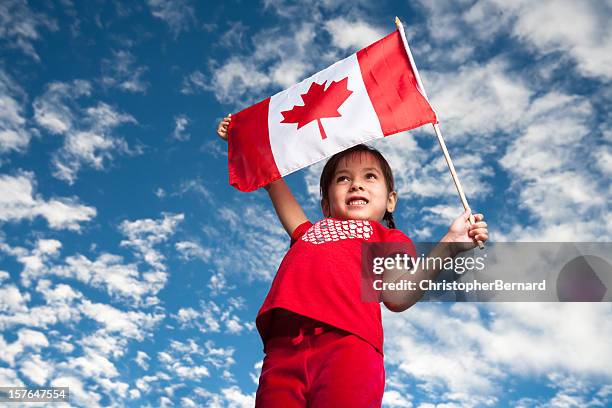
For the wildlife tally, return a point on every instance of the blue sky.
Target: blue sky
(132, 272)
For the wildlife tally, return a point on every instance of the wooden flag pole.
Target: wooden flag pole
(447, 157)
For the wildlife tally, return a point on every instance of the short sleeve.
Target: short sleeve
(401, 243)
(299, 231)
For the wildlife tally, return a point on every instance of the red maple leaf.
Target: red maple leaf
(319, 103)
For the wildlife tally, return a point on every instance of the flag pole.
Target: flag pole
(447, 157)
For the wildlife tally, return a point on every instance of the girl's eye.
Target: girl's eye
(371, 175)
(341, 178)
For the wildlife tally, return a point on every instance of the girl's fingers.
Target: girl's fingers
(478, 231)
(482, 237)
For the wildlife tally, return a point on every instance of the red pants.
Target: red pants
(310, 364)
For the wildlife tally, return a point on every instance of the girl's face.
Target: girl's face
(358, 190)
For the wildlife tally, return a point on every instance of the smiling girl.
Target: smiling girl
(323, 344)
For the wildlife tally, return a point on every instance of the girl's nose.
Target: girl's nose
(356, 186)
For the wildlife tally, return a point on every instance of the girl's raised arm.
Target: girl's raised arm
(287, 208)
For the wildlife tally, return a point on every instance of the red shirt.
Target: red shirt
(320, 277)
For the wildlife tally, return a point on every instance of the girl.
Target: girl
(323, 343)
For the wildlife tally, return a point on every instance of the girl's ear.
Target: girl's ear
(325, 208)
(392, 201)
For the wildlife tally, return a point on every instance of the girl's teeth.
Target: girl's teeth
(358, 202)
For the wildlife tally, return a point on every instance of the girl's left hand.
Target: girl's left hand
(465, 235)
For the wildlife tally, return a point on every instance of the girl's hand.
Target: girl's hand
(464, 235)
(223, 125)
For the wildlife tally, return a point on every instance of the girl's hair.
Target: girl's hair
(330, 169)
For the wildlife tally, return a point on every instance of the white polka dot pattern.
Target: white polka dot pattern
(329, 230)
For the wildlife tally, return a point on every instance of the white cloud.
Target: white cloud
(119, 279)
(188, 372)
(12, 300)
(470, 351)
(87, 132)
(575, 31)
(105, 344)
(245, 237)
(568, 201)
(186, 402)
(121, 72)
(235, 78)
(160, 193)
(230, 397)
(234, 37)
(52, 112)
(34, 260)
(20, 27)
(218, 284)
(93, 146)
(13, 134)
(131, 324)
(37, 369)
(189, 361)
(41, 316)
(478, 99)
(603, 157)
(18, 201)
(9, 376)
(59, 307)
(78, 391)
(257, 372)
(180, 124)
(578, 30)
(178, 14)
(115, 388)
(195, 186)
(236, 398)
(26, 339)
(393, 398)
(353, 35)
(194, 82)
(142, 359)
(192, 250)
(288, 72)
(275, 60)
(143, 383)
(212, 317)
(145, 233)
(93, 365)
(58, 293)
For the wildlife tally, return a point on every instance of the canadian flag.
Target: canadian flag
(373, 93)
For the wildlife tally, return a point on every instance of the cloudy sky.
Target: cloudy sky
(132, 272)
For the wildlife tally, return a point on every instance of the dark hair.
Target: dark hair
(332, 164)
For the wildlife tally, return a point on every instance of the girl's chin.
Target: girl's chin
(359, 214)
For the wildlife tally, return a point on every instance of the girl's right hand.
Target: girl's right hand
(223, 125)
